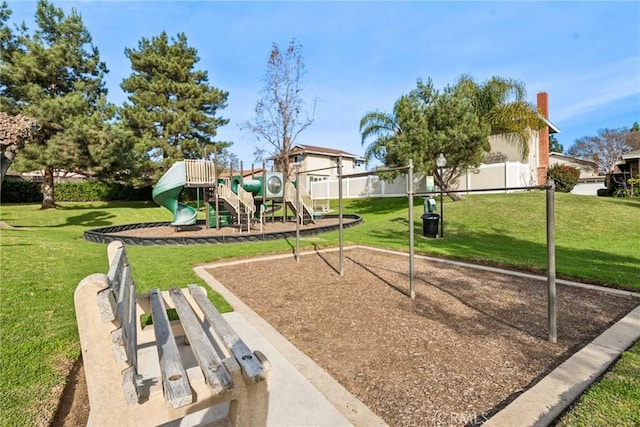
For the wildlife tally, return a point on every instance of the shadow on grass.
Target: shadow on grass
(107, 206)
(94, 218)
(634, 203)
(377, 206)
(486, 248)
(91, 219)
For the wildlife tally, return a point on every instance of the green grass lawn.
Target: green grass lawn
(613, 401)
(43, 258)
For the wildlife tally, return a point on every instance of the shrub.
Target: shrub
(20, 191)
(89, 191)
(631, 189)
(565, 177)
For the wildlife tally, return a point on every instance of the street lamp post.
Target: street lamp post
(441, 162)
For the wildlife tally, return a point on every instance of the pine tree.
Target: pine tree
(56, 77)
(554, 145)
(172, 108)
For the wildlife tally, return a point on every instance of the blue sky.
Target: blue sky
(362, 56)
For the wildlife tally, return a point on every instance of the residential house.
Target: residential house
(590, 180)
(320, 163)
(588, 169)
(631, 163)
(628, 167)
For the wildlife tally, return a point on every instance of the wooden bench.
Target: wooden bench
(192, 371)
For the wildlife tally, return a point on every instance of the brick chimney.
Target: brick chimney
(543, 139)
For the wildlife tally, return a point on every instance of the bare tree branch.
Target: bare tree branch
(280, 114)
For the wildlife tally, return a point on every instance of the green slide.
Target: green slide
(166, 193)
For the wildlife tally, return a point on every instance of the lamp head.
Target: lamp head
(441, 161)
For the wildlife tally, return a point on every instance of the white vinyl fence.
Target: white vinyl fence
(491, 176)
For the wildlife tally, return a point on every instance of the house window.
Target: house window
(358, 163)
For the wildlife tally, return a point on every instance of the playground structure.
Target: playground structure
(234, 200)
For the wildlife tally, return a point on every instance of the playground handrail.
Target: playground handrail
(307, 202)
(228, 195)
(305, 199)
(246, 199)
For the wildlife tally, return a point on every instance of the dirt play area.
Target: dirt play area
(469, 343)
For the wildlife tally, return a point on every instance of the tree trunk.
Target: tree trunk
(5, 164)
(443, 182)
(456, 197)
(48, 201)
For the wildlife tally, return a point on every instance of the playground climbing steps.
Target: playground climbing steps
(231, 207)
(306, 211)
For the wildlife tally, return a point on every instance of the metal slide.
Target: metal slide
(166, 192)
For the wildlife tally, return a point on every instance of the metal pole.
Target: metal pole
(441, 206)
(216, 199)
(297, 213)
(412, 284)
(264, 190)
(551, 262)
(340, 227)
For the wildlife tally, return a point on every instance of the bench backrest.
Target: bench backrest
(117, 304)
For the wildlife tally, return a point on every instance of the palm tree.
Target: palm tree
(501, 104)
(384, 128)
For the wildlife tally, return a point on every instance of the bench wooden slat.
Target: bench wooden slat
(175, 382)
(109, 297)
(250, 364)
(215, 372)
(124, 338)
(130, 386)
(131, 322)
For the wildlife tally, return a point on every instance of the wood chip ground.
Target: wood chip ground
(469, 343)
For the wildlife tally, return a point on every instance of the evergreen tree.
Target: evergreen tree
(554, 145)
(633, 140)
(56, 77)
(172, 109)
(424, 124)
